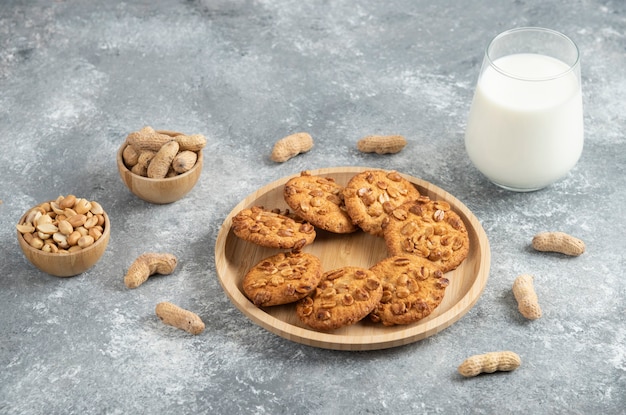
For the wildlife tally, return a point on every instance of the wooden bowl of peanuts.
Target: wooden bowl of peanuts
(64, 237)
(160, 166)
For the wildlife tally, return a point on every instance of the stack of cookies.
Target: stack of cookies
(425, 239)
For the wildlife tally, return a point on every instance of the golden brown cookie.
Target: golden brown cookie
(412, 288)
(282, 278)
(272, 229)
(343, 297)
(319, 200)
(370, 196)
(429, 229)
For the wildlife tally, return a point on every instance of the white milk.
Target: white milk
(525, 134)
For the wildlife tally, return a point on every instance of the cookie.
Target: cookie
(343, 297)
(429, 229)
(370, 196)
(319, 200)
(271, 229)
(282, 278)
(412, 288)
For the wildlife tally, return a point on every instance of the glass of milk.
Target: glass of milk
(525, 125)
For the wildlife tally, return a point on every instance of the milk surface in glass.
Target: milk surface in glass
(525, 132)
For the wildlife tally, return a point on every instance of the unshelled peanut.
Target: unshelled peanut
(178, 317)
(558, 242)
(147, 139)
(130, 156)
(194, 142)
(291, 146)
(162, 160)
(143, 161)
(148, 264)
(489, 363)
(526, 297)
(184, 161)
(381, 144)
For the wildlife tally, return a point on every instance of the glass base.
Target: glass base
(518, 189)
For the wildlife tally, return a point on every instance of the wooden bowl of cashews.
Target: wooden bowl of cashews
(160, 166)
(64, 237)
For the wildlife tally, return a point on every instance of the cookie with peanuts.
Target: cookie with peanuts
(372, 194)
(282, 278)
(343, 297)
(429, 229)
(413, 288)
(272, 229)
(319, 200)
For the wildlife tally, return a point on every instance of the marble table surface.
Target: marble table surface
(77, 76)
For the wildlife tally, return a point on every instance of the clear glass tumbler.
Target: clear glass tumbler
(525, 125)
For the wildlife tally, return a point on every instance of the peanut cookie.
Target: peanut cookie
(282, 278)
(271, 229)
(429, 229)
(412, 288)
(343, 297)
(372, 194)
(319, 200)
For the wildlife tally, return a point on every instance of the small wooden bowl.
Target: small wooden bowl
(159, 191)
(66, 265)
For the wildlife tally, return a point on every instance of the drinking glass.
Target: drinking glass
(525, 125)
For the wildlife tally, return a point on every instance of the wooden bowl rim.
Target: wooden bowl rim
(102, 240)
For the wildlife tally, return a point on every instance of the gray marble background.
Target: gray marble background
(77, 76)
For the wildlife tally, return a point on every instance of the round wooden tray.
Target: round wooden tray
(234, 257)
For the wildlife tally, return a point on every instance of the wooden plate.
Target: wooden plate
(234, 257)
